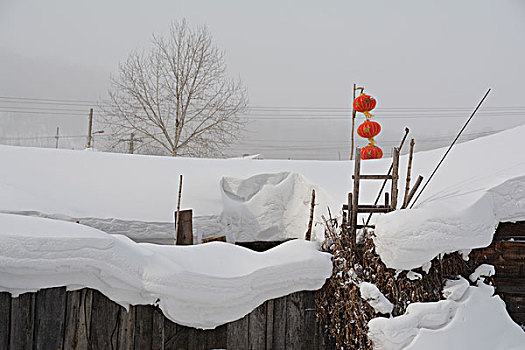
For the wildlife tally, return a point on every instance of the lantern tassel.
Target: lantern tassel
(372, 141)
(368, 115)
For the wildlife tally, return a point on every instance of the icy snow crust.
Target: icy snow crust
(201, 286)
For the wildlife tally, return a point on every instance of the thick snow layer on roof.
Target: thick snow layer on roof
(476, 187)
(471, 318)
(201, 286)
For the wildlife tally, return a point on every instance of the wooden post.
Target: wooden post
(350, 202)
(308, 235)
(177, 217)
(387, 200)
(407, 186)
(353, 127)
(90, 128)
(413, 190)
(355, 196)
(56, 137)
(131, 146)
(395, 177)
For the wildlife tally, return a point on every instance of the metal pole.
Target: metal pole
(450, 147)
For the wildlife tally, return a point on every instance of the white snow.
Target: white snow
(483, 270)
(271, 207)
(471, 318)
(476, 187)
(201, 286)
(375, 298)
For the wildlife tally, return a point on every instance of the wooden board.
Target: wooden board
(279, 323)
(50, 317)
(126, 329)
(237, 334)
(507, 230)
(22, 322)
(104, 322)
(294, 336)
(143, 326)
(257, 328)
(5, 316)
(157, 335)
(78, 319)
(185, 234)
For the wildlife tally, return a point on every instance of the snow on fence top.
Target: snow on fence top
(202, 286)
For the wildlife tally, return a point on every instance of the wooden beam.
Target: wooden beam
(409, 169)
(355, 196)
(395, 178)
(413, 191)
(374, 177)
(185, 231)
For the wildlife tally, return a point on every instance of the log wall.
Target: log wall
(86, 319)
(507, 254)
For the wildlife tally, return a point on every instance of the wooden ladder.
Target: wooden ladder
(353, 208)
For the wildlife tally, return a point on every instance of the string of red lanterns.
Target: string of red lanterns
(369, 129)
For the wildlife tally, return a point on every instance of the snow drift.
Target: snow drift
(201, 286)
(270, 207)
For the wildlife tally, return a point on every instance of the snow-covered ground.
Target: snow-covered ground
(478, 185)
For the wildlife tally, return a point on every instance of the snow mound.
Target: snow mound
(270, 207)
(453, 324)
(201, 286)
(375, 298)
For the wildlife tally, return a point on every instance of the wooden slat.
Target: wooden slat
(309, 326)
(78, 319)
(175, 336)
(257, 328)
(294, 337)
(373, 177)
(22, 322)
(185, 234)
(143, 326)
(126, 329)
(157, 341)
(104, 322)
(395, 178)
(269, 324)
(507, 230)
(510, 285)
(373, 210)
(237, 334)
(279, 323)
(5, 316)
(514, 302)
(50, 318)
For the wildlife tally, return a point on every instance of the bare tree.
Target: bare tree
(176, 97)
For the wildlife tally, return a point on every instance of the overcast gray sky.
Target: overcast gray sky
(428, 54)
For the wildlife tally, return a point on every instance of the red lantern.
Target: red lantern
(364, 104)
(371, 152)
(368, 129)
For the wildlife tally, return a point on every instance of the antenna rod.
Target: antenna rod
(450, 147)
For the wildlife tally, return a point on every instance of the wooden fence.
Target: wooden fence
(85, 319)
(507, 254)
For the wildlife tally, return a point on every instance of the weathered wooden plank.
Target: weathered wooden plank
(143, 326)
(374, 177)
(5, 316)
(294, 337)
(269, 324)
(279, 323)
(310, 326)
(104, 322)
(257, 328)
(260, 246)
(237, 334)
(50, 318)
(185, 233)
(175, 336)
(126, 328)
(78, 319)
(514, 302)
(22, 322)
(507, 230)
(509, 285)
(157, 341)
(199, 339)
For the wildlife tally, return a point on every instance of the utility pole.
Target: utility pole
(353, 127)
(90, 128)
(131, 141)
(56, 137)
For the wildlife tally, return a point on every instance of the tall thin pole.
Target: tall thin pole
(353, 127)
(131, 146)
(56, 137)
(450, 147)
(409, 170)
(178, 211)
(90, 128)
